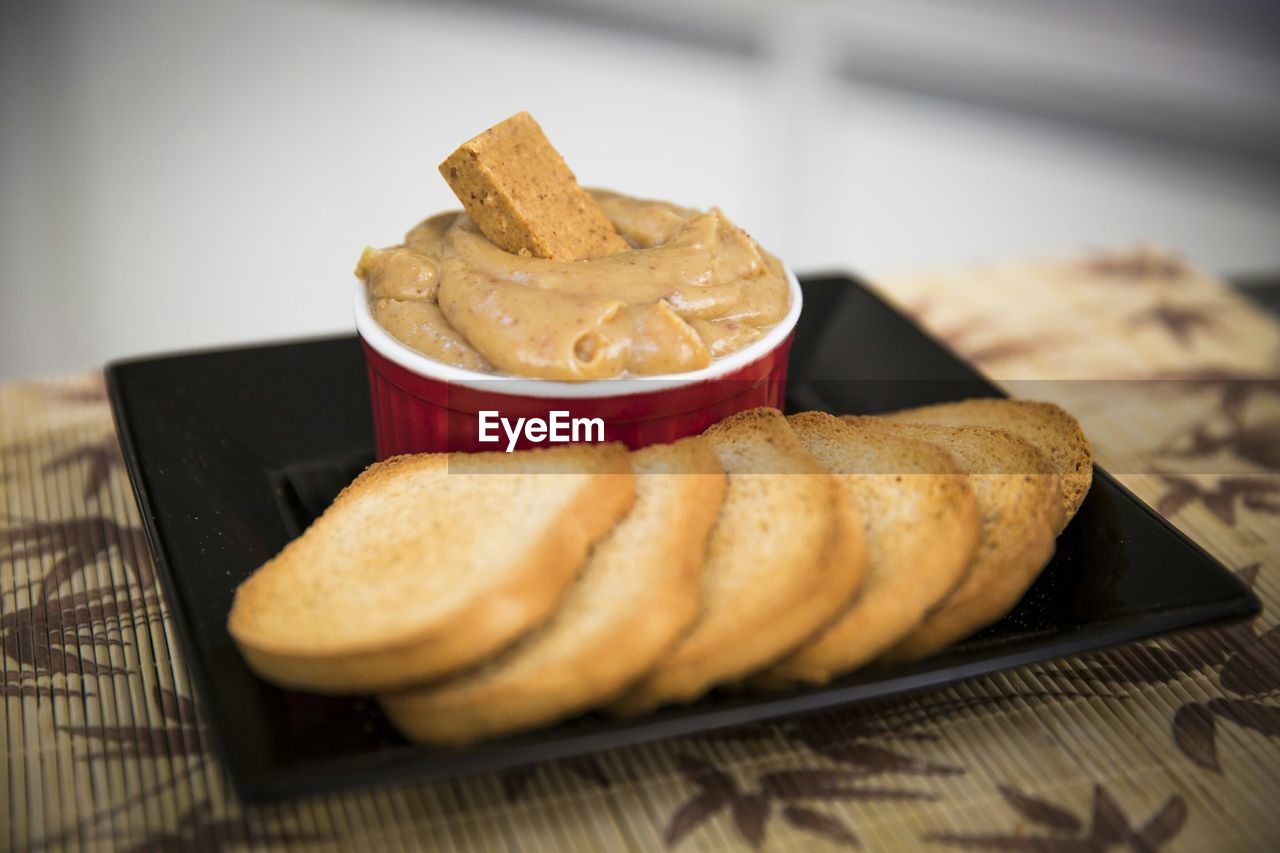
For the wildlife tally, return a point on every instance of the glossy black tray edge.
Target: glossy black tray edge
(301, 781)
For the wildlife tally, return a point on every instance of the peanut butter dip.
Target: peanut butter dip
(691, 288)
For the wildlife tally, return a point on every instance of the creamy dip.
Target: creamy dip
(692, 288)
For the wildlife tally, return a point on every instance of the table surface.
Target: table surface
(1173, 743)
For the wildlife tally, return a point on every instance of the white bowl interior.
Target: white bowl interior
(393, 350)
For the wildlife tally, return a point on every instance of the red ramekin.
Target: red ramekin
(420, 404)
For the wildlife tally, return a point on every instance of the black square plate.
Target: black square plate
(232, 453)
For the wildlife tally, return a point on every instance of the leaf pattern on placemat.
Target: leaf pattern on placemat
(1243, 422)
(179, 734)
(1245, 661)
(27, 685)
(975, 339)
(1196, 735)
(62, 632)
(1181, 322)
(76, 544)
(1253, 670)
(200, 827)
(1139, 265)
(775, 793)
(515, 782)
(1257, 443)
(133, 742)
(1235, 389)
(103, 459)
(1257, 494)
(826, 826)
(47, 639)
(92, 393)
(176, 708)
(1160, 662)
(1056, 828)
(715, 791)
(862, 742)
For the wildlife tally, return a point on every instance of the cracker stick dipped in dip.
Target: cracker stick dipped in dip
(540, 278)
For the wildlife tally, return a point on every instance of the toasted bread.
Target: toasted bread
(1020, 499)
(1052, 430)
(785, 558)
(426, 564)
(638, 593)
(922, 531)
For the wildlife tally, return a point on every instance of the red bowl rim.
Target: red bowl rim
(394, 351)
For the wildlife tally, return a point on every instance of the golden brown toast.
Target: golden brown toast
(638, 593)
(922, 531)
(425, 564)
(1020, 499)
(1052, 430)
(785, 558)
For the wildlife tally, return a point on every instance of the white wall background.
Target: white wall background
(177, 174)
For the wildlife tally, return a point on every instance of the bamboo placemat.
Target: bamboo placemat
(1169, 744)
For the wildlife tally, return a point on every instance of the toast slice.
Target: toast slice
(639, 592)
(922, 532)
(1052, 430)
(1020, 500)
(426, 564)
(785, 558)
